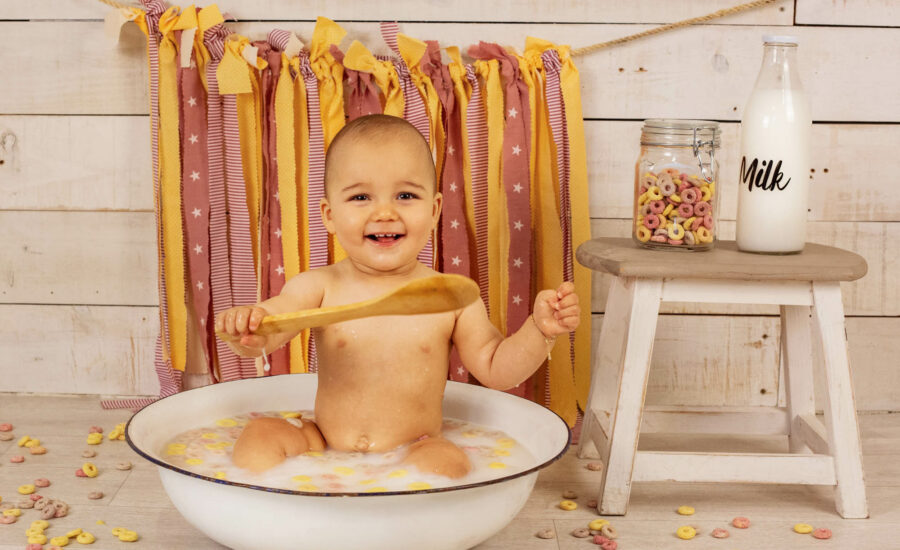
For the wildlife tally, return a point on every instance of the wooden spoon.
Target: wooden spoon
(434, 294)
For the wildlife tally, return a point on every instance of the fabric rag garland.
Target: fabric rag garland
(239, 131)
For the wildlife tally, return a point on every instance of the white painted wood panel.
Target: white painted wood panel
(77, 163)
(851, 70)
(877, 293)
(78, 258)
(596, 11)
(706, 360)
(109, 349)
(103, 163)
(873, 13)
(110, 258)
(78, 349)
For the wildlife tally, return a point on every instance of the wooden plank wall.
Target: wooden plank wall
(77, 262)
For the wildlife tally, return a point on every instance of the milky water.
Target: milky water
(207, 451)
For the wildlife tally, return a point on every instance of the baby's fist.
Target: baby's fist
(236, 327)
(557, 311)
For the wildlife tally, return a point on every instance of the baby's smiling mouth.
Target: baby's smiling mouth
(384, 238)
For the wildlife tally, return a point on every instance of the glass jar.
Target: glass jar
(675, 195)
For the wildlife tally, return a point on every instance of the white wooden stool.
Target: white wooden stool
(804, 285)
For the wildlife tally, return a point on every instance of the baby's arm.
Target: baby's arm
(502, 363)
(303, 291)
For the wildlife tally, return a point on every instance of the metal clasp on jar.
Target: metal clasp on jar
(698, 144)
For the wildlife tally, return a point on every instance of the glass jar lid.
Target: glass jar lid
(680, 132)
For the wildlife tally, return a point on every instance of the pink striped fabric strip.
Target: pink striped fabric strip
(414, 110)
(476, 129)
(556, 114)
(168, 382)
(317, 234)
(220, 262)
(195, 192)
(243, 275)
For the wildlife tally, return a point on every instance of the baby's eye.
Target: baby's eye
(407, 196)
(360, 197)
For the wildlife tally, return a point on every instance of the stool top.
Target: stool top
(624, 258)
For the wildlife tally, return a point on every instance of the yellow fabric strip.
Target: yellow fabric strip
(462, 90)
(300, 352)
(209, 17)
(330, 75)
(498, 231)
(581, 222)
(170, 190)
(287, 187)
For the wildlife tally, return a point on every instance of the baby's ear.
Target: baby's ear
(437, 204)
(327, 218)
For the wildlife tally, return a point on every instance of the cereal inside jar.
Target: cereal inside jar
(675, 195)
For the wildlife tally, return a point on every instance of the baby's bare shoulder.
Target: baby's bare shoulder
(308, 287)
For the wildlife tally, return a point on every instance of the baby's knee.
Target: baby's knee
(439, 456)
(266, 442)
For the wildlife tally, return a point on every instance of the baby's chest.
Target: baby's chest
(389, 336)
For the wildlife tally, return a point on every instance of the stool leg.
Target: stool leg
(625, 416)
(840, 408)
(796, 360)
(605, 375)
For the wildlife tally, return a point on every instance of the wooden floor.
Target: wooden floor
(135, 499)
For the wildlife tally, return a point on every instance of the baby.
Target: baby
(381, 379)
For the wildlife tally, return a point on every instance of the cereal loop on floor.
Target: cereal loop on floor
(567, 505)
(685, 510)
(546, 534)
(581, 533)
(822, 533)
(686, 532)
(88, 538)
(128, 536)
(89, 469)
(740, 522)
(803, 528)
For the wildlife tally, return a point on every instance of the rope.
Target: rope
(671, 26)
(629, 38)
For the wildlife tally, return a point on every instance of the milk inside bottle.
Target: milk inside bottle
(774, 170)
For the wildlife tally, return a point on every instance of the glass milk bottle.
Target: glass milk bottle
(774, 177)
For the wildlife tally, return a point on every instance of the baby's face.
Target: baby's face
(381, 203)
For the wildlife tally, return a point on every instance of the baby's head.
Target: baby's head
(381, 200)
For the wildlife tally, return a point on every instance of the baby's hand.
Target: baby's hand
(239, 323)
(556, 311)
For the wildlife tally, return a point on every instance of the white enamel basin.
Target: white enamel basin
(247, 517)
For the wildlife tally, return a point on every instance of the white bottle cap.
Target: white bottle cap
(780, 39)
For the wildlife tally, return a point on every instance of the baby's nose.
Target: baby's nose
(385, 212)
